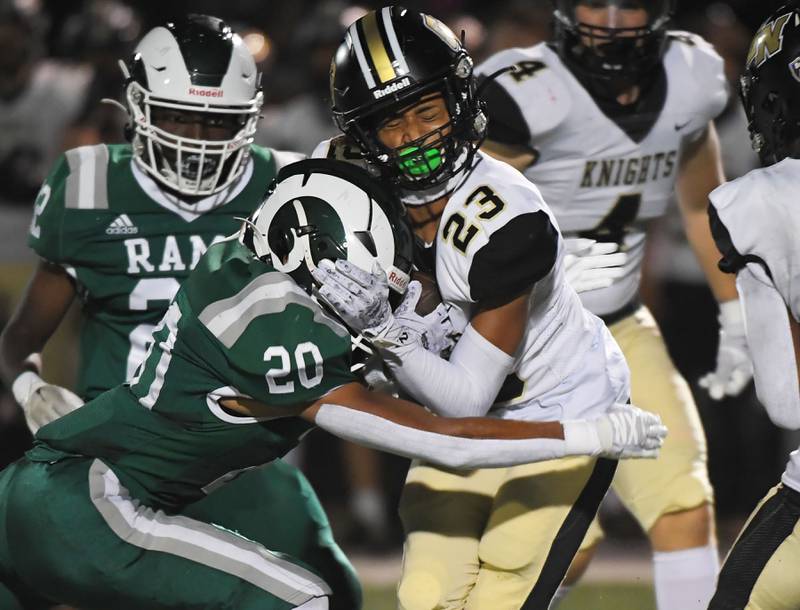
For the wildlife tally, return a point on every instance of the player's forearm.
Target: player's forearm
(698, 232)
(774, 347)
(18, 353)
(700, 173)
(487, 444)
(465, 386)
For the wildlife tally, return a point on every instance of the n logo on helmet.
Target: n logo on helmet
(442, 31)
(768, 41)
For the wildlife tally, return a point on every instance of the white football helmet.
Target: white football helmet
(196, 65)
(325, 209)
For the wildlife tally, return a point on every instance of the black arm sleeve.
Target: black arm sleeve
(732, 261)
(516, 257)
(506, 123)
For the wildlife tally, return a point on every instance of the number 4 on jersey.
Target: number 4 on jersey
(523, 70)
(616, 223)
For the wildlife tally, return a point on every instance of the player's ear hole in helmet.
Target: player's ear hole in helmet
(193, 94)
(614, 43)
(770, 86)
(325, 209)
(389, 61)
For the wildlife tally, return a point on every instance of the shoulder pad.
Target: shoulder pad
(690, 57)
(78, 181)
(340, 148)
(536, 85)
(517, 255)
(740, 235)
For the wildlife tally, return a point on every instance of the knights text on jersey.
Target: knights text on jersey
(497, 240)
(603, 174)
(128, 245)
(237, 328)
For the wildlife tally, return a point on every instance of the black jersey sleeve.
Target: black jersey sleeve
(517, 255)
(506, 123)
(732, 260)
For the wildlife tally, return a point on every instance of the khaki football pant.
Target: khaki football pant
(678, 479)
(761, 570)
(485, 539)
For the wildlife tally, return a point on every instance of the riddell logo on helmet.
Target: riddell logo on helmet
(206, 92)
(401, 84)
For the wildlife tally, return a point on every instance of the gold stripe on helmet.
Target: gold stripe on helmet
(377, 51)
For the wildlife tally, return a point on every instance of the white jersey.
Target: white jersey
(756, 218)
(605, 177)
(496, 239)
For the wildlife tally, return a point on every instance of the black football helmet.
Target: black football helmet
(770, 86)
(388, 60)
(612, 56)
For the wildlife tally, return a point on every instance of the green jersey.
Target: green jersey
(237, 327)
(129, 244)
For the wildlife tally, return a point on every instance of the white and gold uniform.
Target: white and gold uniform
(498, 537)
(605, 172)
(755, 221)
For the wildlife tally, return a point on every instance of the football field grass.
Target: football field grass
(595, 596)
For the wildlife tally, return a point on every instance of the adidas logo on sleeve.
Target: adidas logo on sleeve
(122, 225)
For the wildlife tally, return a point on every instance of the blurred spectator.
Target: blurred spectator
(522, 23)
(39, 99)
(101, 34)
(305, 120)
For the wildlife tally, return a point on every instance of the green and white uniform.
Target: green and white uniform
(117, 471)
(129, 245)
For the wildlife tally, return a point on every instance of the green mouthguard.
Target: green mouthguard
(418, 162)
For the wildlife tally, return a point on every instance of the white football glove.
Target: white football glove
(624, 431)
(361, 299)
(734, 368)
(589, 265)
(435, 330)
(42, 402)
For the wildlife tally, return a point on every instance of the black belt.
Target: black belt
(622, 313)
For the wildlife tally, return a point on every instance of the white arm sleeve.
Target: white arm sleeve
(464, 386)
(580, 438)
(769, 339)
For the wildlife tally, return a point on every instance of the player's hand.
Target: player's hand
(624, 431)
(434, 331)
(360, 297)
(734, 368)
(42, 402)
(589, 265)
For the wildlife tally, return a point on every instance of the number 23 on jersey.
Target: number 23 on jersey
(458, 231)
